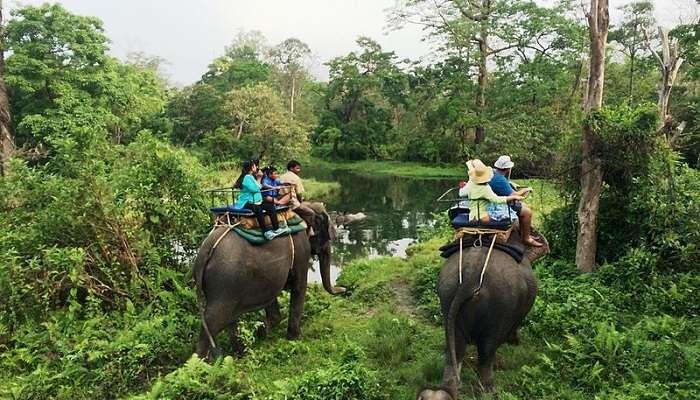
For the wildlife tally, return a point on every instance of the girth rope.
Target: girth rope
(477, 243)
(291, 243)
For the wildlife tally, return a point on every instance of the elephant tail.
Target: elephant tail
(198, 269)
(465, 292)
(199, 266)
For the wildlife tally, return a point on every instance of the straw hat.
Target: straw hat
(479, 172)
(504, 162)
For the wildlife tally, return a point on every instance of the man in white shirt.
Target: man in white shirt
(291, 178)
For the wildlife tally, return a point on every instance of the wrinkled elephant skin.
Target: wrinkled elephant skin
(237, 277)
(487, 318)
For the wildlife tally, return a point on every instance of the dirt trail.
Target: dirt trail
(404, 298)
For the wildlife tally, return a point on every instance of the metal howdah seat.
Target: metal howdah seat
(463, 221)
(223, 201)
(459, 215)
(243, 212)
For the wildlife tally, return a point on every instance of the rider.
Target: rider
(500, 183)
(291, 178)
(271, 184)
(251, 198)
(481, 197)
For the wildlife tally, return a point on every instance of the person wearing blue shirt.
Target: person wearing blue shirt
(250, 197)
(500, 184)
(271, 185)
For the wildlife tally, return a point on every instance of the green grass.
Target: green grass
(396, 168)
(544, 198)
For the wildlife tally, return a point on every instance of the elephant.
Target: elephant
(347, 218)
(488, 316)
(236, 277)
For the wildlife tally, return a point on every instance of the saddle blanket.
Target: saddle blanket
(513, 248)
(255, 236)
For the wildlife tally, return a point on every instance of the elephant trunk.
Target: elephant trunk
(324, 259)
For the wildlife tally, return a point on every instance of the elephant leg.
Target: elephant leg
(236, 343)
(487, 356)
(272, 316)
(514, 338)
(296, 306)
(217, 316)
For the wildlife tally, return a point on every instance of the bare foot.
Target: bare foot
(532, 242)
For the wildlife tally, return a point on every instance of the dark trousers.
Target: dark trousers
(258, 209)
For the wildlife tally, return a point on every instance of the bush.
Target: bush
(102, 234)
(199, 380)
(562, 301)
(347, 379)
(391, 339)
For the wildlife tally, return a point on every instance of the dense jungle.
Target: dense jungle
(105, 163)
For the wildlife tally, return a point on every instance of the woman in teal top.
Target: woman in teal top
(251, 198)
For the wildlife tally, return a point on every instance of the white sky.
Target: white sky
(189, 34)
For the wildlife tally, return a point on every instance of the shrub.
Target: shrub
(347, 379)
(200, 380)
(562, 303)
(391, 339)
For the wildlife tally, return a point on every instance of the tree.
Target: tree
(195, 111)
(638, 19)
(7, 144)
(489, 28)
(591, 164)
(242, 63)
(64, 86)
(291, 58)
(262, 125)
(670, 62)
(364, 99)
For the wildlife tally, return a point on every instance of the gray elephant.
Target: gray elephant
(488, 317)
(237, 277)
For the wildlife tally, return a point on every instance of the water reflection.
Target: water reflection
(396, 208)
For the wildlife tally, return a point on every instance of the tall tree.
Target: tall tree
(364, 95)
(263, 126)
(638, 19)
(487, 28)
(7, 144)
(670, 62)
(591, 164)
(291, 58)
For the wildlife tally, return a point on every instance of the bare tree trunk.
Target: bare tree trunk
(240, 131)
(7, 143)
(670, 64)
(591, 165)
(291, 99)
(483, 83)
(631, 78)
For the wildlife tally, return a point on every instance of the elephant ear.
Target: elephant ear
(322, 220)
(535, 253)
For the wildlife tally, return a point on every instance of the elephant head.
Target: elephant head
(438, 394)
(535, 253)
(321, 245)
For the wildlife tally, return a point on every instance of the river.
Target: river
(396, 208)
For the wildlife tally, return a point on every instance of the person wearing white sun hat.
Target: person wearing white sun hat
(480, 195)
(500, 183)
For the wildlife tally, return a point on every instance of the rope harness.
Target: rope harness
(479, 242)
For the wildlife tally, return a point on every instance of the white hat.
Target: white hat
(504, 162)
